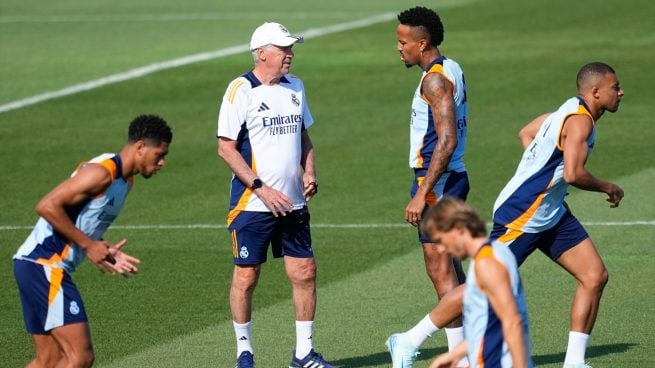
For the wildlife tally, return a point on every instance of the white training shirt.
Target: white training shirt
(267, 123)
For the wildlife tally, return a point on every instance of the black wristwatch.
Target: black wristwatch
(256, 184)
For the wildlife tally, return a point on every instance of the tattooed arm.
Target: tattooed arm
(439, 92)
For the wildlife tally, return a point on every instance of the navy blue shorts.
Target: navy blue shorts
(566, 234)
(49, 297)
(252, 232)
(454, 184)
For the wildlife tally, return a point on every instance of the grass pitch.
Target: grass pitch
(520, 59)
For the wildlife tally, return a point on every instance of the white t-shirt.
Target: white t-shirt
(267, 123)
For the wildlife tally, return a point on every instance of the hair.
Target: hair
(426, 19)
(451, 212)
(589, 73)
(150, 128)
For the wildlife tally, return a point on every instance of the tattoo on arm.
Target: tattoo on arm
(439, 93)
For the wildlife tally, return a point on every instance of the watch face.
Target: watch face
(257, 183)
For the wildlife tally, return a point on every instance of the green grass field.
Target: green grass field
(520, 60)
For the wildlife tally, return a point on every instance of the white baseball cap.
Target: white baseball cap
(271, 33)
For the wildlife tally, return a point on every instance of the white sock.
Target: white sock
(422, 331)
(242, 332)
(304, 342)
(577, 347)
(455, 336)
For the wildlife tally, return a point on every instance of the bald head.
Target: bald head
(591, 75)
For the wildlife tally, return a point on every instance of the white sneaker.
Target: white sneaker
(403, 353)
(578, 365)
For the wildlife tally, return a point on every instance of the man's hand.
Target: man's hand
(98, 253)
(614, 195)
(414, 210)
(276, 201)
(310, 186)
(121, 263)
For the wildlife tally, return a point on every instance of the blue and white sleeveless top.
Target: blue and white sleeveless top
(482, 328)
(46, 246)
(533, 200)
(423, 137)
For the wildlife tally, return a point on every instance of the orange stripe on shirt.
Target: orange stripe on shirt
(55, 258)
(419, 156)
(108, 164)
(243, 201)
(480, 356)
(437, 68)
(56, 277)
(484, 252)
(241, 205)
(520, 221)
(510, 235)
(581, 111)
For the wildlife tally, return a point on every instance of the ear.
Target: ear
(595, 91)
(260, 54)
(423, 44)
(140, 146)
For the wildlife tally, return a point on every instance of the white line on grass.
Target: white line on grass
(169, 17)
(328, 226)
(186, 60)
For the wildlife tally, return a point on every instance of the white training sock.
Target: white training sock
(577, 347)
(304, 342)
(455, 336)
(242, 332)
(422, 331)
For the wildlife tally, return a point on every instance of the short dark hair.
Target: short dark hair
(450, 212)
(425, 18)
(592, 70)
(152, 128)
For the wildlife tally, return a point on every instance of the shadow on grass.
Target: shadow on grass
(382, 358)
(592, 351)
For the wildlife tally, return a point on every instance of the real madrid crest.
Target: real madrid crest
(295, 99)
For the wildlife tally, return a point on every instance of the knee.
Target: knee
(440, 271)
(603, 278)
(304, 273)
(596, 280)
(86, 359)
(245, 278)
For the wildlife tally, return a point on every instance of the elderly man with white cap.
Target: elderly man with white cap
(263, 138)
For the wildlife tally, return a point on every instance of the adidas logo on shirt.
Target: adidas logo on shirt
(262, 107)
